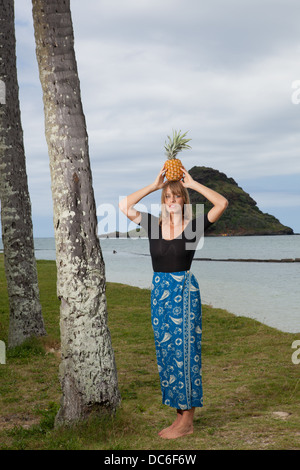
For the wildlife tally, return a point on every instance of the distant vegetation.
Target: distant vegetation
(242, 216)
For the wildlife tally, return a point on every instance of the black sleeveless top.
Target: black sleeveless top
(175, 255)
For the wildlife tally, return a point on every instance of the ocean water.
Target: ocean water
(266, 291)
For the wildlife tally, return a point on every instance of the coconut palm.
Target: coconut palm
(17, 234)
(88, 372)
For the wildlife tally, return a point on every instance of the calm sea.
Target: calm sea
(266, 291)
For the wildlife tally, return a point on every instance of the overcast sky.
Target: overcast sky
(221, 69)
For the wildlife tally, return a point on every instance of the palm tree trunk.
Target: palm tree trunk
(17, 234)
(88, 371)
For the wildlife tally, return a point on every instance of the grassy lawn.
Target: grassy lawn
(251, 386)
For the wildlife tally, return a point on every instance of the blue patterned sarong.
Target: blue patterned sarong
(177, 324)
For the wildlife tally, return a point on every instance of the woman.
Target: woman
(175, 295)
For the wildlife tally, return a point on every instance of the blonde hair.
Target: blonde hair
(177, 189)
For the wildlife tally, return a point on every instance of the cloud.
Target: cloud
(222, 71)
(276, 199)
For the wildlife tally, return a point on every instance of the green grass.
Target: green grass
(248, 375)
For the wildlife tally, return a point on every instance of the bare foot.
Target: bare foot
(173, 432)
(166, 430)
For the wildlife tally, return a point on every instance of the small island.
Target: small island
(242, 217)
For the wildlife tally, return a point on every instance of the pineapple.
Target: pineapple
(173, 147)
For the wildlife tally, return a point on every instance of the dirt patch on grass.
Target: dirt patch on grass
(281, 415)
(17, 420)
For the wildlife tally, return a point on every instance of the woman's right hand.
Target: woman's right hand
(159, 182)
(127, 204)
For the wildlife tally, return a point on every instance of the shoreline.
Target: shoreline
(214, 307)
(261, 310)
(241, 260)
(251, 260)
(124, 235)
(231, 260)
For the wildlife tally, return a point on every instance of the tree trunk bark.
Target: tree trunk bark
(17, 234)
(88, 372)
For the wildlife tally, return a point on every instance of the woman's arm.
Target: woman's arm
(126, 204)
(219, 202)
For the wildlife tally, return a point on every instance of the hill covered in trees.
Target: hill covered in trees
(242, 217)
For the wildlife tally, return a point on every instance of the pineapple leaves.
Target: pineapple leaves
(176, 144)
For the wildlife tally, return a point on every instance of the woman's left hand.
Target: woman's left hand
(187, 179)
